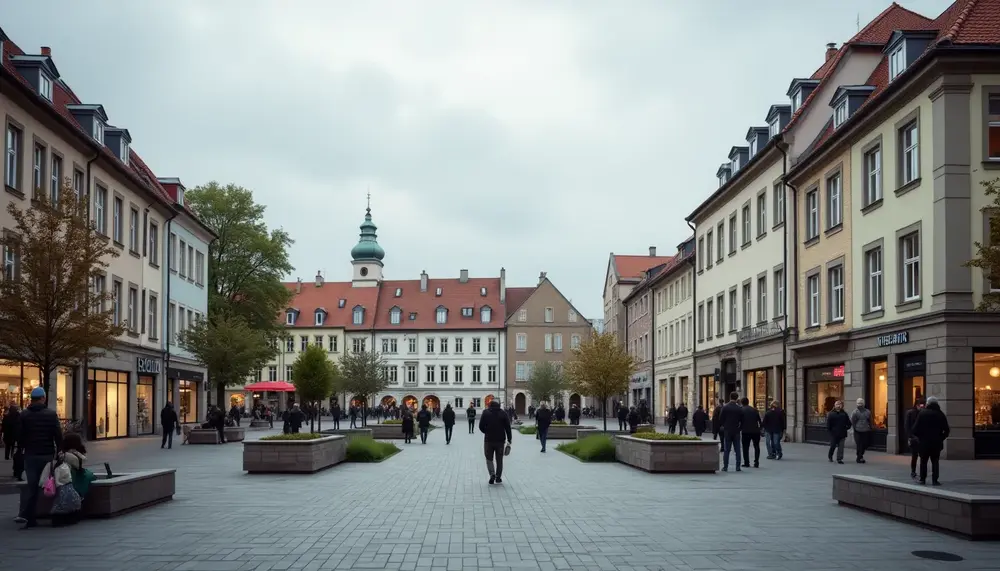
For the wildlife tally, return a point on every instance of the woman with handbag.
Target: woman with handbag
(67, 482)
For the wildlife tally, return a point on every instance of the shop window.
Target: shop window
(145, 407)
(188, 409)
(776, 388)
(824, 387)
(108, 399)
(756, 388)
(987, 392)
(878, 399)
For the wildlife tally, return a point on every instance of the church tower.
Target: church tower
(367, 254)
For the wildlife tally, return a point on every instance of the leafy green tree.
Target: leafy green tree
(314, 376)
(364, 376)
(988, 255)
(55, 303)
(601, 367)
(230, 349)
(546, 382)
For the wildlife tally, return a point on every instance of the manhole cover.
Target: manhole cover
(938, 555)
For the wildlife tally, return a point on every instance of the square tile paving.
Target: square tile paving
(430, 508)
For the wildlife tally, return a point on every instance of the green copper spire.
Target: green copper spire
(367, 247)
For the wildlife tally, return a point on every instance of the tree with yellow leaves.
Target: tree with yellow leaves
(601, 367)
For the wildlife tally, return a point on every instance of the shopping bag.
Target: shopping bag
(49, 489)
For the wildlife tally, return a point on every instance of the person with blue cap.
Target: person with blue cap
(39, 439)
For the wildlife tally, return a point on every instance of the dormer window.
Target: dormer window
(466, 312)
(485, 314)
(441, 316)
(399, 292)
(796, 100)
(735, 165)
(482, 291)
(341, 303)
(98, 131)
(180, 195)
(840, 114)
(753, 146)
(124, 150)
(359, 315)
(44, 86)
(774, 127)
(437, 292)
(320, 315)
(395, 315)
(722, 180)
(290, 318)
(897, 61)
(413, 316)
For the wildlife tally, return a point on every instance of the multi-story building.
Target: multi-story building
(622, 274)
(542, 325)
(911, 131)
(185, 289)
(598, 325)
(640, 337)
(442, 340)
(673, 325)
(52, 138)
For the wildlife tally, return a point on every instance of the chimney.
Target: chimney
(319, 278)
(503, 285)
(831, 50)
(423, 281)
(46, 51)
(541, 278)
(298, 286)
(652, 251)
(463, 276)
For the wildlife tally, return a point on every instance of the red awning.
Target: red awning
(274, 386)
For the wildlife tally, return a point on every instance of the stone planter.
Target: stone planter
(586, 431)
(565, 431)
(259, 423)
(667, 455)
(235, 433)
(351, 433)
(120, 494)
(293, 456)
(200, 435)
(646, 428)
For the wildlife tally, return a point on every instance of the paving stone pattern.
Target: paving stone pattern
(430, 508)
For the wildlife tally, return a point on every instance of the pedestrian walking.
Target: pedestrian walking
(39, 438)
(909, 420)
(633, 420)
(622, 418)
(716, 423)
(543, 419)
(750, 433)
(353, 413)
(861, 422)
(730, 425)
(470, 413)
(837, 426)
(407, 426)
(495, 426)
(931, 430)
(699, 420)
(336, 412)
(671, 419)
(448, 417)
(774, 426)
(424, 422)
(682, 419)
(168, 422)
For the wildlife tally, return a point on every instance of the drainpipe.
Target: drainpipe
(628, 393)
(694, 308)
(166, 351)
(86, 358)
(783, 147)
(652, 360)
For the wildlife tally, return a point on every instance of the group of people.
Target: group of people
(739, 425)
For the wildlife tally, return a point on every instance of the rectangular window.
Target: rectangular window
(522, 315)
(10, 263)
(873, 266)
(272, 373)
(133, 231)
(762, 299)
(443, 344)
(38, 180)
(55, 178)
(154, 244)
(190, 270)
(550, 315)
(720, 236)
(732, 234)
(288, 373)
(762, 214)
(571, 316)
(897, 61)
(701, 256)
(720, 309)
(154, 330)
(491, 344)
(747, 306)
(909, 158)
(835, 285)
(746, 224)
(779, 203)
(701, 322)
(199, 268)
(459, 369)
(78, 183)
(834, 202)
(840, 114)
(133, 309)
(709, 318)
(12, 157)
(430, 345)
(182, 253)
(412, 345)
(333, 344)
(429, 372)
(475, 345)
(411, 374)
(522, 341)
(548, 342)
(779, 293)
(909, 247)
(117, 209)
(873, 175)
(709, 245)
(443, 372)
(172, 322)
(289, 341)
(733, 322)
(100, 216)
(304, 343)
(519, 370)
(477, 374)
(812, 215)
(574, 341)
(993, 128)
(98, 290)
(491, 372)
(812, 289)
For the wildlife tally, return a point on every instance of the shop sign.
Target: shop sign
(185, 375)
(147, 365)
(897, 338)
(759, 332)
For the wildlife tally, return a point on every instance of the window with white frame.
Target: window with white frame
(840, 113)
(318, 318)
(812, 311)
(709, 244)
(133, 309)
(556, 342)
(762, 299)
(548, 342)
(774, 127)
(485, 314)
(430, 345)
(733, 319)
(834, 202)
(289, 341)
(12, 157)
(796, 100)
(154, 244)
(720, 236)
(133, 234)
(522, 315)
(522, 341)
(720, 309)
(459, 370)
(873, 175)
(395, 316)
(909, 247)
(574, 341)
(732, 233)
(100, 202)
(441, 316)
(873, 288)
(290, 318)
(549, 315)
(897, 60)
(909, 168)
(701, 324)
(44, 86)
(746, 224)
(709, 318)
(519, 369)
(753, 146)
(411, 374)
(39, 169)
(334, 341)
(154, 330)
(812, 214)
(55, 178)
(443, 371)
(358, 316)
(123, 150)
(747, 306)
(117, 208)
(779, 293)
(272, 373)
(458, 345)
(491, 344)
(477, 374)
(443, 345)
(288, 373)
(98, 131)
(779, 203)
(835, 284)
(762, 213)
(571, 316)
(476, 342)
(429, 378)
(412, 345)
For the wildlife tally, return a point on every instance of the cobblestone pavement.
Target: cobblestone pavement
(430, 508)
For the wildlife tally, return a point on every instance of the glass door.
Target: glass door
(912, 385)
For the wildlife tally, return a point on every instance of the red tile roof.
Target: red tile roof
(632, 267)
(970, 22)
(327, 297)
(516, 296)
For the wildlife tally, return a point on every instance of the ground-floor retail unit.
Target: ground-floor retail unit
(414, 398)
(640, 388)
(753, 367)
(675, 385)
(954, 357)
(521, 399)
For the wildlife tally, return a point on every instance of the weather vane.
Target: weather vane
(369, 198)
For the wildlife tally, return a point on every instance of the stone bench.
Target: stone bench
(200, 435)
(668, 456)
(259, 423)
(390, 431)
(235, 433)
(565, 431)
(971, 514)
(120, 494)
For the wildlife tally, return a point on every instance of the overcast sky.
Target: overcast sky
(537, 136)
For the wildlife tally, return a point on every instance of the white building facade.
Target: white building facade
(673, 320)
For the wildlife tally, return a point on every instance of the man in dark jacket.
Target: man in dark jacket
(495, 427)
(622, 418)
(837, 425)
(353, 414)
(543, 419)
(424, 422)
(909, 420)
(730, 424)
(574, 414)
(750, 430)
(716, 415)
(699, 420)
(470, 413)
(39, 439)
(336, 412)
(774, 426)
(931, 430)
(448, 416)
(168, 421)
(682, 419)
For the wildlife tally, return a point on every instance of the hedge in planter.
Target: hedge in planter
(594, 448)
(370, 450)
(659, 452)
(293, 453)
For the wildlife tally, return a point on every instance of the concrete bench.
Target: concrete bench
(259, 423)
(200, 436)
(120, 494)
(971, 511)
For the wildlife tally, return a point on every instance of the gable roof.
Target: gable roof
(327, 298)
(455, 296)
(525, 294)
(516, 296)
(631, 268)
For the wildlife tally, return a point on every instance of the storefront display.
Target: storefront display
(238, 400)
(986, 414)
(17, 380)
(756, 384)
(188, 409)
(824, 387)
(878, 393)
(709, 394)
(145, 407)
(107, 401)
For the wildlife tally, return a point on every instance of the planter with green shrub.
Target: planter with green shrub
(593, 448)
(370, 450)
(302, 453)
(660, 453)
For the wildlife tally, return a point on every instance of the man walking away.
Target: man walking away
(335, 412)
(774, 427)
(699, 420)
(750, 430)
(470, 413)
(495, 427)
(909, 420)
(168, 421)
(39, 438)
(682, 419)
(543, 419)
(424, 422)
(861, 421)
(730, 424)
(716, 423)
(234, 413)
(837, 425)
(353, 413)
(448, 416)
(930, 430)
(622, 418)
